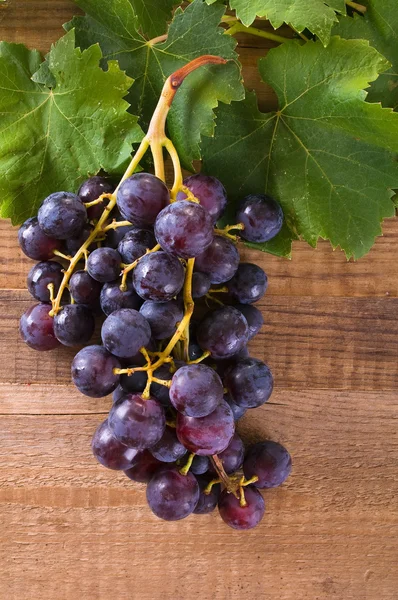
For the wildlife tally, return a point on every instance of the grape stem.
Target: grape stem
(234, 484)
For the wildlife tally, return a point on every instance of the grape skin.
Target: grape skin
(172, 496)
(141, 197)
(37, 328)
(62, 215)
(74, 325)
(249, 284)
(115, 236)
(209, 191)
(40, 276)
(144, 466)
(207, 502)
(35, 243)
(262, 217)
(109, 451)
(134, 383)
(242, 517)
(124, 332)
(232, 457)
(113, 298)
(90, 190)
(74, 244)
(184, 229)
(137, 422)
(249, 382)
(238, 411)
(92, 371)
(253, 316)
(207, 435)
(223, 332)
(168, 449)
(220, 261)
(158, 277)
(83, 288)
(104, 264)
(200, 465)
(196, 390)
(163, 317)
(200, 284)
(135, 244)
(270, 461)
(118, 393)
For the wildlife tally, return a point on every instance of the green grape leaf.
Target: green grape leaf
(328, 156)
(51, 138)
(379, 25)
(153, 15)
(193, 32)
(318, 16)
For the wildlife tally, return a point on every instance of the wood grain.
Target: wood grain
(71, 529)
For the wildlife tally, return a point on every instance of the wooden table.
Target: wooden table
(72, 530)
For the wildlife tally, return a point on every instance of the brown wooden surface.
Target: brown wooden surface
(70, 529)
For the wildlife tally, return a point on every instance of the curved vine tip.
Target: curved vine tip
(178, 76)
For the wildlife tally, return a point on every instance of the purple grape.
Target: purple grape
(232, 457)
(158, 277)
(200, 284)
(37, 328)
(35, 243)
(172, 496)
(200, 465)
(220, 261)
(118, 393)
(74, 244)
(115, 236)
(124, 332)
(248, 285)
(271, 463)
(184, 229)
(168, 449)
(104, 264)
(223, 332)
(262, 217)
(249, 382)
(74, 325)
(62, 215)
(141, 197)
(242, 517)
(40, 276)
(109, 451)
(137, 422)
(135, 244)
(83, 288)
(134, 383)
(194, 350)
(113, 298)
(144, 466)
(196, 390)
(209, 191)
(253, 317)
(90, 190)
(92, 371)
(163, 317)
(207, 435)
(161, 392)
(207, 502)
(238, 411)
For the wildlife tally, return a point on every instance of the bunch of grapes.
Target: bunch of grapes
(177, 313)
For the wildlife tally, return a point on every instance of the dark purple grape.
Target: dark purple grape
(134, 383)
(248, 285)
(172, 496)
(115, 236)
(104, 264)
(158, 277)
(118, 393)
(238, 411)
(109, 451)
(74, 244)
(249, 382)
(207, 502)
(207, 435)
(194, 350)
(35, 243)
(40, 276)
(262, 217)
(242, 517)
(124, 332)
(74, 325)
(92, 371)
(90, 190)
(161, 392)
(62, 215)
(144, 466)
(184, 229)
(232, 457)
(200, 465)
(113, 298)
(270, 461)
(135, 244)
(253, 317)
(163, 317)
(141, 197)
(137, 422)
(220, 261)
(209, 191)
(223, 332)
(168, 449)
(200, 284)
(37, 328)
(223, 364)
(83, 288)
(196, 390)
